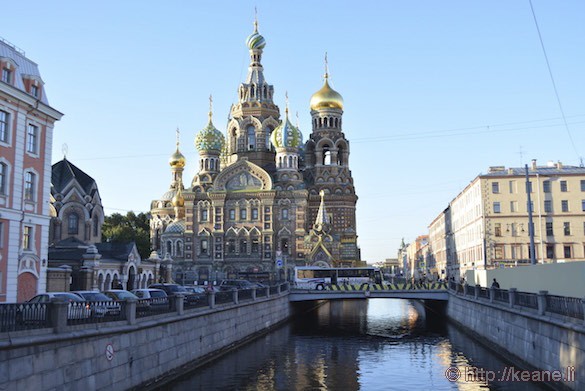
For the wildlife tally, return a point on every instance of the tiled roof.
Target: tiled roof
(64, 172)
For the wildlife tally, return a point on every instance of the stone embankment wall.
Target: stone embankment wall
(542, 342)
(124, 356)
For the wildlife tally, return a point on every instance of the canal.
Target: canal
(376, 344)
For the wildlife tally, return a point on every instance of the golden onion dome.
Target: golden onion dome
(326, 98)
(177, 160)
(178, 200)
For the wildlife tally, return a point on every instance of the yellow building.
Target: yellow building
(487, 224)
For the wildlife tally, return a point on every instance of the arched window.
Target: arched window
(179, 248)
(251, 138)
(284, 214)
(234, 140)
(95, 226)
(326, 155)
(73, 224)
(284, 247)
(340, 156)
(290, 162)
(169, 247)
(204, 247)
(243, 246)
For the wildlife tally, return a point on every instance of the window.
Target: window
(32, 139)
(583, 205)
(498, 229)
(254, 213)
(3, 177)
(204, 247)
(251, 138)
(495, 187)
(529, 186)
(204, 215)
(497, 208)
(582, 185)
(284, 246)
(243, 214)
(29, 186)
(243, 246)
(546, 186)
(27, 238)
(564, 186)
(1, 234)
(4, 128)
(565, 205)
(549, 228)
(6, 75)
(530, 207)
(550, 251)
(513, 206)
(567, 251)
(547, 206)
(284, 214)
(567, 228)
(232, 214)
(512, 185)
(95, 226)
(255, 246)
(34, 91)
(73, 224)
(231, 246)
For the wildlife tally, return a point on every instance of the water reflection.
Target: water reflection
(376, 344)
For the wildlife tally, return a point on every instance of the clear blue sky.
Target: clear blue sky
(435, 91)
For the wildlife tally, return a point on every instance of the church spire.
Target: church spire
(322, 221)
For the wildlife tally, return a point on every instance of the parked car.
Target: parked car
(121, 294)
(228, 285)
(75, 308)
(101, 304)
(196, 288)
(175, 289)
(157, 298)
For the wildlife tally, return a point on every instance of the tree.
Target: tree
(130, 228)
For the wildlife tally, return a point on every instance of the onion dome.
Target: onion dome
(168, 196)
(209, 138)
(177, 160)
(326, 98)
(178, 200)
(176, 227)
(255, 40)
(286, 134)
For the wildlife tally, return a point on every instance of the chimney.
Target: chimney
(559, 165)
(533, 166)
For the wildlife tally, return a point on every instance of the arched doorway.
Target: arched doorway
(131, 278)
(27, 287)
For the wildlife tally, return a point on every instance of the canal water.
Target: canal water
(375, 344)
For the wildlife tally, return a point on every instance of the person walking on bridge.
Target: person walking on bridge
(495, 284)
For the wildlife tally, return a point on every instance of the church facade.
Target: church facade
(264, 200)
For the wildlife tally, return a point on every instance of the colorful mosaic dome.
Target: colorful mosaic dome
(176, 227)
(286, 135)
(255, 40)
(209, 138)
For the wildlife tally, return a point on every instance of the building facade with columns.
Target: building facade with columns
(263, 200)
(26, 140)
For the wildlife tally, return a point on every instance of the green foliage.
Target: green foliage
(130, 228)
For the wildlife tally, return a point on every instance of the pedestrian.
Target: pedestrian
(495, 284)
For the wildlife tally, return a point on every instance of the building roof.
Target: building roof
(556, 169)
(25, 67)
(64, 172)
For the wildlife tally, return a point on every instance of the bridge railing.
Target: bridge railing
(60, 315)
(541, 302)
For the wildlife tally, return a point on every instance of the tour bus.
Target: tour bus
(312, 277)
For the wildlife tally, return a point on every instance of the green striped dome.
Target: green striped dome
(209, 139)
(255, 40)
(286, 135)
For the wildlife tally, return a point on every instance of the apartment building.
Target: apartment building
(26, 134)
(490, 218)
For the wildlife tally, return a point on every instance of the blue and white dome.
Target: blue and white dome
(286, 135)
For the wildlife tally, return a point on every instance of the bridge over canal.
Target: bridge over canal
(426, 291)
